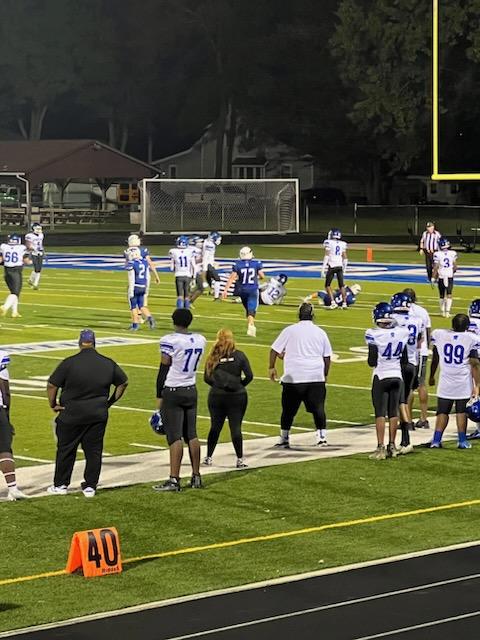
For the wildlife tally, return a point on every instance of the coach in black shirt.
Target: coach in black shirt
(82, 411)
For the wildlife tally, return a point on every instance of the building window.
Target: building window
(286, 171)
(172, 171)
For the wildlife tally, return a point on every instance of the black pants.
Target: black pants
(6, 432)
(179, 413)
(386, 396)
(211, 275)
(69, 437)
(312, 394)
(224, 405)
(13, 279)
(37, 261)
(429, 264)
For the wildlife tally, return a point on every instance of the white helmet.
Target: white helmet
(355, 288)
(134, 240)
(246, 253)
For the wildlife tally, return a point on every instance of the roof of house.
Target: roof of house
(50, 160)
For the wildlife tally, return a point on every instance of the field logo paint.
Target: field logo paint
(62, 345)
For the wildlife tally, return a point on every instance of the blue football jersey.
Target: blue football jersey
(140, 271)
(247, 272)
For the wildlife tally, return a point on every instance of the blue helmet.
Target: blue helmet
(36, 227)
(282, 278)
(193, 241)
(334, 234)
(216, 237)
(401, 302)
(382, 311)
(14, 238)
(182, 242)
(156, 423)
(474, 309)
(473, 409)
(444, 243)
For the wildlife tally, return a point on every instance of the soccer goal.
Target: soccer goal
(246, 206)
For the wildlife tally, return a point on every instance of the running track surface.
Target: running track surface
(431, 597)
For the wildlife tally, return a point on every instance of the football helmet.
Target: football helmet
(444, 243)
(36, 228)
(355, 289)
(282, 278)
(215, 236)
(382, 313)
(134, 240)
(195, 241)
(473, 409)
(133, 253)
(401, 302)
(334, 234)
(474, 309)
(156, 423)
(182, 242)
(246, 253)
(14, 238)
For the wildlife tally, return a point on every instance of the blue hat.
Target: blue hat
(86, 335)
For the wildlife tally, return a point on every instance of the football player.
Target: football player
(212, 279)
(34, 243)
(444, 267)
(196, 245)
(335, 264)
(474, 327)
(134, 241)
(274, 292)
(387, 344)
(351, 294)
(401, 304)
(456, 351)
(245, 272)
(13, 255)
(182, 263)
(137, 269)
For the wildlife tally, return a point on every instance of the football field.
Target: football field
(353, 494)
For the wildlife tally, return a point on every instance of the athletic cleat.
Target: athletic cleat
(333, 305)
(168, 485)
(474, 436)
(434, 445)
(464, 445)
(88, 492)
(344, 305)
(16, 315)
(62, 490)
(392, 451)
(283, 443)
(241, 464)
(208, 461)
(422, 424)
(196, 481)
(447, 314)
(405, 449)
(379, 453)
(321, 442)
(133, 327)
(30, 284)
(151, 322)
(14, 494)
(252, 331)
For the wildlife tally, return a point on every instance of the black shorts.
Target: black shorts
(331, 273)
(445, 289)
(386, 396)
(445, 405)
(37, 261)
(6, 432)
(182, 284)
(409, 371)
(13, 279)
(421, 374)
(312, 394)
(179, 413)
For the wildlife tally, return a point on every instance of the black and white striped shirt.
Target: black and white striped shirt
(429, 241)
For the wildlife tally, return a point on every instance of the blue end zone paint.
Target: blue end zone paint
(374, 272)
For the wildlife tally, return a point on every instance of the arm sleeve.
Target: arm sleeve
(161, 377)
(247, 370)
(372, 355)
(58, 377)
(404, 357)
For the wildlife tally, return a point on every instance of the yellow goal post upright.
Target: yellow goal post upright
(436, 173)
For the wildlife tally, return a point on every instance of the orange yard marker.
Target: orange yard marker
(97, 552)
(369, 254)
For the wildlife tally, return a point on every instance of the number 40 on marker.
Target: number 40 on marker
(97, 552)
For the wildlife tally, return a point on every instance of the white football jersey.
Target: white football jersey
(474, 326)
(34, 242)
(186, 351)
(13, 254)
(415, 327)
(273, 292)
(422, 313)
(390, 344)
(334, 250)
(454, 349)
(445, 260)
(4, 375)
(198, 260)
(209, 249)
(182, 261)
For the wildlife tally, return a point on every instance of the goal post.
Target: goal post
(170, 205)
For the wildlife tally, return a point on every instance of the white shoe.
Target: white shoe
(62, 490)
(333, 305)
(88, 492)
(447, 314)
(14, 493)
(208, 461)
(321, 442)
(16, 315)
(252, 331)
(241, 464)
(344, 305)
(403, 451)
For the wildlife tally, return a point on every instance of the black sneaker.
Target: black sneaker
(410, 426)
(169, 485)
(282, 444)
(422, 424)
(196, 481)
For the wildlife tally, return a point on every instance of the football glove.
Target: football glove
(156, 423)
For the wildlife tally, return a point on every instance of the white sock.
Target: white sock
(32, 277)
(9, 301)
(442, 304)
(15, 304)
(284, 433)
(36, 279)
(323, 433)
(216, 288)
(449, 304)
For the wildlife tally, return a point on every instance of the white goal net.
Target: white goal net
(247, 206)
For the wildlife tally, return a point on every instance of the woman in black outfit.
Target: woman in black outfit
(228, 397)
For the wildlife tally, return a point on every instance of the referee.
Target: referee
(428, 246)
(181, 352)
(306, 351)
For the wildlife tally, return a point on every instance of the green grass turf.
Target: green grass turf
(37, 533)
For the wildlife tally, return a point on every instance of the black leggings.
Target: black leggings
(223, 405)
(312, 394)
